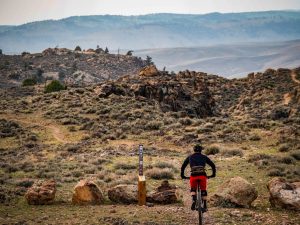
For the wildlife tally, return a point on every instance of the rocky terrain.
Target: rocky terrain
(72, 67)
(76, 150)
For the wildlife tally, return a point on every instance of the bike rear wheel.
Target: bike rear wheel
(199, 208)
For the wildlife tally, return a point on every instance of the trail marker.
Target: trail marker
(142, 179)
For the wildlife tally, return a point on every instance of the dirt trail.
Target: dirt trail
(55, 131)
(294, 77)
(187, 201)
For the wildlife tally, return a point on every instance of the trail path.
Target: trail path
(55, 130)
(294, 77)
(187, 201)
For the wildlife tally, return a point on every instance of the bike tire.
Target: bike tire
(200, 213)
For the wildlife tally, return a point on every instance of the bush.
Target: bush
(160, 174)
(153, 125)
(295, 155)
(163, 165)
(125, 166)
(54, 86)
(29, 82)
(186, 121)
(254, 137)
(274, 172)
(77, 48)
(212, 150)
(286, 160)
(232, 152)
(284, 148)
(257, 157)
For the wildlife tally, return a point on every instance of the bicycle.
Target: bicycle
(199, 203)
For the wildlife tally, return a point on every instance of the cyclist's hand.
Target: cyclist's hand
(212, 176)
(185, 178)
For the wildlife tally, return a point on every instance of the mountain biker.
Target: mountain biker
(197, 163)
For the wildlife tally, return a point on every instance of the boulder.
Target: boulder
(126, 194)
(284, 194)
(235, 192)
(164, 194)
(41, 192)
(87, 192)
(149, 71)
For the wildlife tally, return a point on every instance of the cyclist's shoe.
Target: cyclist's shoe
(193, 207)
(204, 210)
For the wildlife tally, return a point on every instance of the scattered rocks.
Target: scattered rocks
(164, 194)
(126, 194)
(87, 192)
(284, 194)
(149, 71)
(235, 192)
(41, 193)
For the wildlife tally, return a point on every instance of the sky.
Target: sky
(16, 12)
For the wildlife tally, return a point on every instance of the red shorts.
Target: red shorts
(194, 181)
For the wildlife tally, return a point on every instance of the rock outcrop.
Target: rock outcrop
(235, 192)
(126, 194)
(87, 192)
(41, 193)
(284, 194)
(164, 194)
(149, 71)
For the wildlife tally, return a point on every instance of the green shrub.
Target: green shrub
(274, 172)
(257, 157)
(163, 165)
(212, 150)
(29, 82)
(54, 86)
(153, 125)
(286, 160)
(254, 137)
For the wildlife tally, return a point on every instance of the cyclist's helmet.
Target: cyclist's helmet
(198, 148)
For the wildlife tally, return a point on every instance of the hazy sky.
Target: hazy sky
(23, 11)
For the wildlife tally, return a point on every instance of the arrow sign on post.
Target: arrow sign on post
(142, 180)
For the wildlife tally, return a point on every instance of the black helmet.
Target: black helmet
(198, 148)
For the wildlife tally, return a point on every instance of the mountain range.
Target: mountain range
(151, 31)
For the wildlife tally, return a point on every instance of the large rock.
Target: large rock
(41, 193)
(235, 192)
(164, 194)
(87, 192)
(149, 71)
(126, 194)
(284, 194)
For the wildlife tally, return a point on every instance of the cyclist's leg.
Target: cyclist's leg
(203, 186)
(193, 184)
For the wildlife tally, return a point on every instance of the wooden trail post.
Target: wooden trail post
(142, 179)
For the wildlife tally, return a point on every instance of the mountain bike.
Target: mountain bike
(199, 203)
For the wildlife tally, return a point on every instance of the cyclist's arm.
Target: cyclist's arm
(184, 165)
(212, 165)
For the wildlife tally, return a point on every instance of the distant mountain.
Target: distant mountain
(151, 31)
(234, 60)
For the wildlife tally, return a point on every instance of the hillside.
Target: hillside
(72, 67)
(151, 31)
(230, 60)
(249, 127)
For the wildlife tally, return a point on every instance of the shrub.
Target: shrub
(257, 157)
(29, 82)
(274, 172)
(160, 174)
(212, 150)
(232, 152)
(286, 160)
(125, 166)
(186, 121)
(254, 137)
(295, 155)
(284, 148)
(77, 48)
(54, 86)
(153, 125)
(163, 165)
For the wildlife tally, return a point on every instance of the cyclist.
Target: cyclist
(197, 163)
